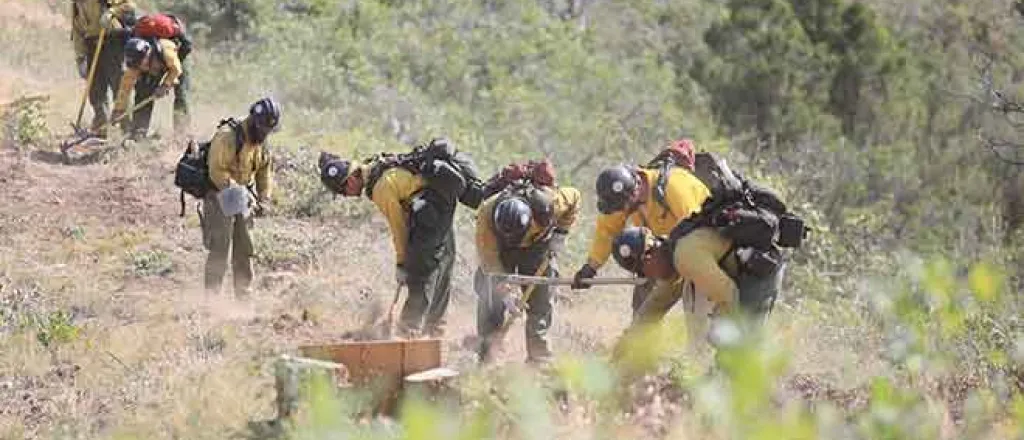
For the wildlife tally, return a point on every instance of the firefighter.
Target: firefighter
(233, 167)
(629, 195)
(87, 18)
(154, 69)
(521, 229)
(420, 217)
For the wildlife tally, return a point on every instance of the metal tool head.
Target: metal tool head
(81, 143)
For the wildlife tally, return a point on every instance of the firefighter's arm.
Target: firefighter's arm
(685, 194)
(128, 80)
(222, 153)
(172, 62)
(264, 176)
(566, 207)
(387, 198)
(486, 241)
(608, 226)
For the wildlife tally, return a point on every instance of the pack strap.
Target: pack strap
(181, 198)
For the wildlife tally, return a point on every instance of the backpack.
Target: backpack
(754, 217)
(540, 173)
(192, 173)
(447, 171)
(163, 26)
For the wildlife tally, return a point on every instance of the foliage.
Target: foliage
(25, 122)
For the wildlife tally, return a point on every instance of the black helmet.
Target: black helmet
(512, 218)
(135, 50)
(615, 187)
(629, 247)
(333, 172)
(265, 114)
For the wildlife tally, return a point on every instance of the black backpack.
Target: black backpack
(192, 174)
(751, 215)
(449, 172)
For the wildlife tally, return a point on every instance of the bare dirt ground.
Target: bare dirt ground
(105, 330)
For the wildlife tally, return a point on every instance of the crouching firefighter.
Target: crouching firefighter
(417, 192)
(155, 66)
(730, 253)
(657, 196)
(235, 160)
(521, 229)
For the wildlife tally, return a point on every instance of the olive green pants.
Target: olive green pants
(491, 309)
(430, 260)
(145, 87)
(223, 235)
(107, 78)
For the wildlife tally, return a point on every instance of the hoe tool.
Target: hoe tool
(81, 135)
(84, 140)
(389, 319)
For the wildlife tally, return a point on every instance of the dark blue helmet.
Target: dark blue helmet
(512, 218)
(265, 114)
(135, 50)
(629, 248)
(333, 171)
(615, 188)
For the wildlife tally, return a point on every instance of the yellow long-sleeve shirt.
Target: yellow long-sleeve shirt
(565, 209)
(392, 194)
(684, 194)
(168, 66)
(250, 164)
(88, 16)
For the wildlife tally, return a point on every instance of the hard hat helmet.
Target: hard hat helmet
(265, 114)
(630, 246)
(135, 50)
(512, 218)
(615, 188)
(333, 171)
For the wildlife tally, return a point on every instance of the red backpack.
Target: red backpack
(538, 172)
(165, 26)
(158, 26)
(680, 153)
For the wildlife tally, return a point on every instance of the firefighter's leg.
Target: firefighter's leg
(441, 289)
(182, 117)
(144, 88)
(697, 256)
(429, 228)
(241, 256)
(540, 309)
(217, 234)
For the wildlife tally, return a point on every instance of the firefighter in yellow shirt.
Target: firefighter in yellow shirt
(420, 218)
(154, 68)
(87, 18)
(628, 196)
(237, 159)
(521, 229)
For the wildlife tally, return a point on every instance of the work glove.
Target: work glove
(83, 67)
(401, 276)
(162, 91)
(558, 238)
(585, 272)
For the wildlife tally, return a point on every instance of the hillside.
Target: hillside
(899, 320)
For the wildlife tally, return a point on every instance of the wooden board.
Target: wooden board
(380, 364)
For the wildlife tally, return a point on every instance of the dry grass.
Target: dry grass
(146, 354)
